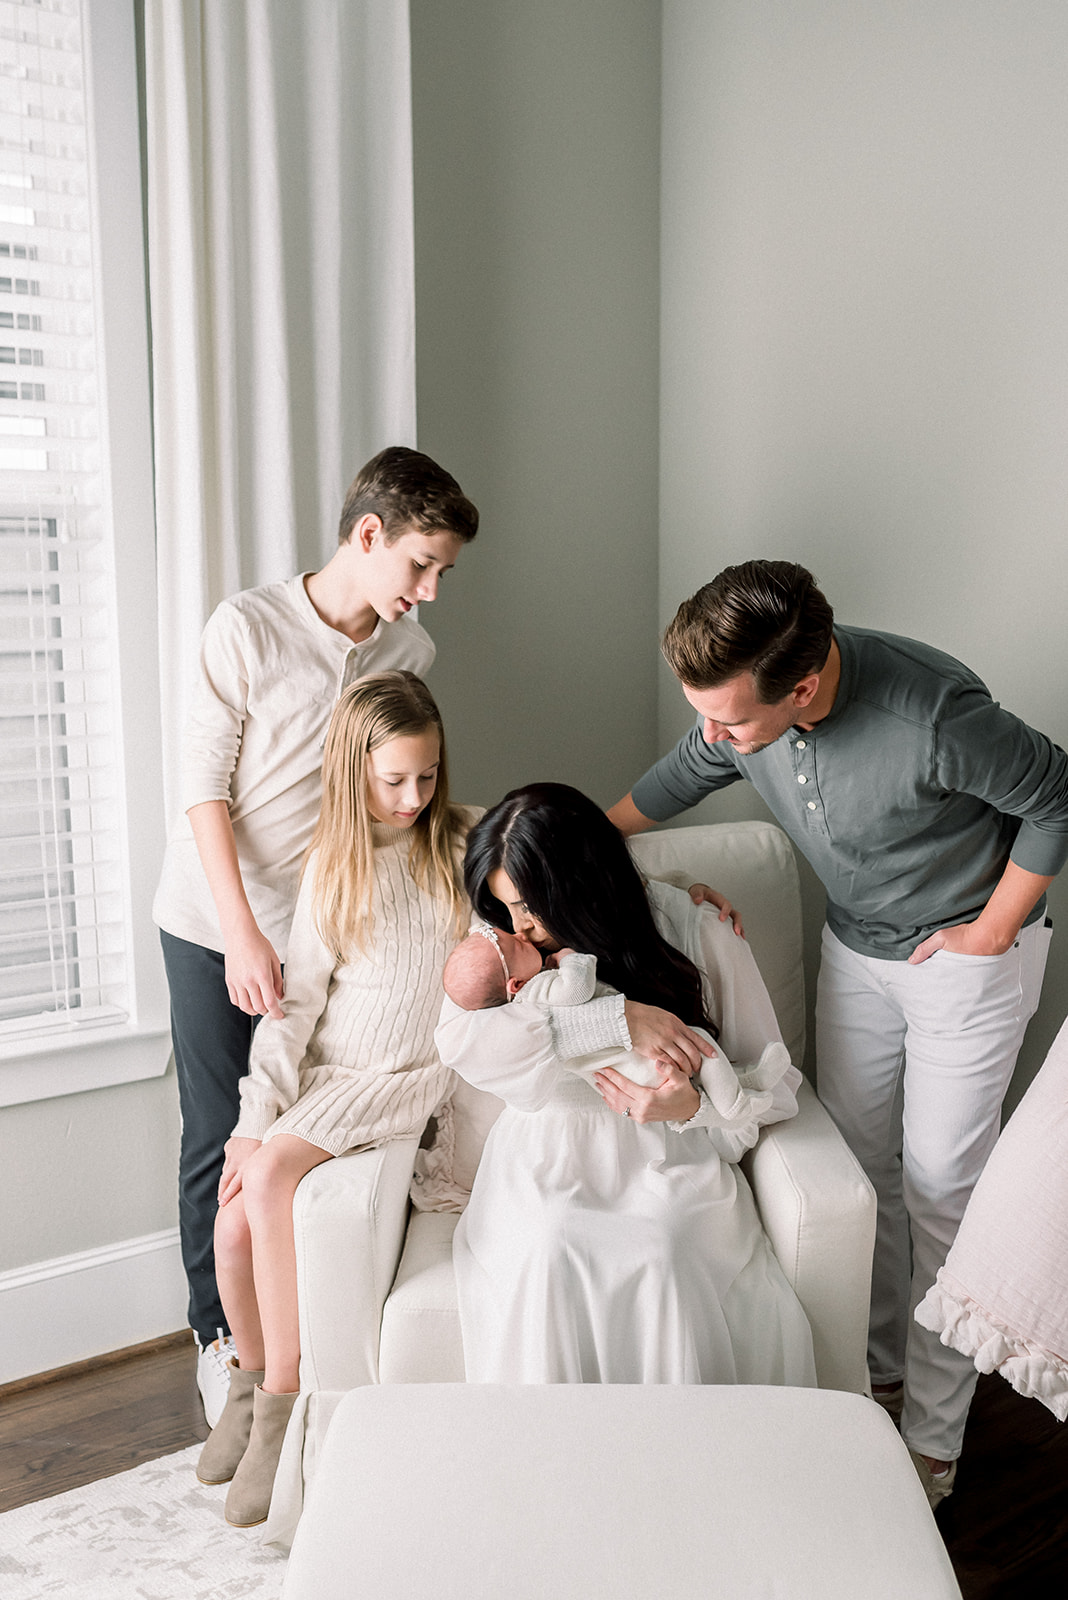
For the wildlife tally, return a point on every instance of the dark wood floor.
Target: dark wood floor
(81, 1423)
(1006, 1525)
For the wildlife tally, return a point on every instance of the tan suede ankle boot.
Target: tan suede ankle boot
(249, 1498)
(229, 1438)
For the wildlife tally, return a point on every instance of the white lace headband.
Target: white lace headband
(491, 934)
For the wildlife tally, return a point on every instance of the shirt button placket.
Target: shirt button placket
(804, 759)
(349, 671)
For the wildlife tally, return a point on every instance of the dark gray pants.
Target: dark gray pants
(211, 1039)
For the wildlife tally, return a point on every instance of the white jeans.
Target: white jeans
(913, 1064)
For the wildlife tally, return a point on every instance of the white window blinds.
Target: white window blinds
(62, 921)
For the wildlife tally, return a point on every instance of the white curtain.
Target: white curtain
(282, 293)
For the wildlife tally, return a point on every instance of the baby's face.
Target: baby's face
(523, 958)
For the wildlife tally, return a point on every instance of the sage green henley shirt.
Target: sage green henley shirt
(908, 799)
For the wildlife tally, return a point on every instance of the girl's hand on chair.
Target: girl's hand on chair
(237, 1152)
(673, 1100)
(701, 894)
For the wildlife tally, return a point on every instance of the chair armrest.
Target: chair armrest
(349, 1218)
(818, 1210)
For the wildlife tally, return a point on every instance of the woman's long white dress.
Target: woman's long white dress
(598, 1250)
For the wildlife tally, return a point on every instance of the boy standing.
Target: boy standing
(273, 661)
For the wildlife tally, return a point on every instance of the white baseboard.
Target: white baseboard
(79, 1306)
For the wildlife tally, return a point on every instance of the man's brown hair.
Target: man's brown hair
(410, 493)
(763, 617)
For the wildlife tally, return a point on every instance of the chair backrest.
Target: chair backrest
(753, 864)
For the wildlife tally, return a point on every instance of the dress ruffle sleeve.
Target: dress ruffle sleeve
(508, 1051)
(736, 1104)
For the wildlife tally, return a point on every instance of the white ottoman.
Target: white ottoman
(589, 1492)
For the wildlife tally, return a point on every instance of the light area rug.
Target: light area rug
(153, 1533)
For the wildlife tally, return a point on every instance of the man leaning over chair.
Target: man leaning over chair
(935, 821)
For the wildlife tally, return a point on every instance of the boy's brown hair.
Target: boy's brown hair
(410, 493)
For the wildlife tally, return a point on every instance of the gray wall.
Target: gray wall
(536, 207)
(865, 328)
(86, 1170)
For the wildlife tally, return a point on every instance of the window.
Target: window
(80, 991)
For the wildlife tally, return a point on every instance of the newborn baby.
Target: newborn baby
(491, 967)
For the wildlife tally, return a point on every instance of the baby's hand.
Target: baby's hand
(554, 959)
(700, 893)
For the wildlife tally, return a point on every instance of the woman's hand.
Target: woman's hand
(701, 894)
(237, 1152)
(661, 1037)
(673, 1100)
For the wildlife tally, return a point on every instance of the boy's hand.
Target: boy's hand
(237, 1153)
(254, 975)
(701, 894)
(253, 971)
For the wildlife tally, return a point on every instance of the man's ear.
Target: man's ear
(805, 692)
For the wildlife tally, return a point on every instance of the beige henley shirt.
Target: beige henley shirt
(269, 675)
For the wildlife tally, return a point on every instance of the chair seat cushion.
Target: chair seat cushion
(421, 1340)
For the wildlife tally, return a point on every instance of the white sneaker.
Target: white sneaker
(936, 1486)
(213, 1374)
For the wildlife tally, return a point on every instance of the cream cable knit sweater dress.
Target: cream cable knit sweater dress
(353, 1061)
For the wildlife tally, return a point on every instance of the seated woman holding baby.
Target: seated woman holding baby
(610, 1237)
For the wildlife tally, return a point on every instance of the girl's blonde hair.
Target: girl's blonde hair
(370, 712)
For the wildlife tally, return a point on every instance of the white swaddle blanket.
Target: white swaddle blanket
(735, 1099)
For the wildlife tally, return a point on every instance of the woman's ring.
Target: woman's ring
(626, 1111)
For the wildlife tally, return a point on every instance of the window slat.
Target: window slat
(61, 847)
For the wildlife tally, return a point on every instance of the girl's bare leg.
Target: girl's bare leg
(237, 1289)
(269, 1183)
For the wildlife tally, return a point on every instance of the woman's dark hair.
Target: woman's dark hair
(576, 876)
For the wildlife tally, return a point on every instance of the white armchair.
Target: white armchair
(376, 1288)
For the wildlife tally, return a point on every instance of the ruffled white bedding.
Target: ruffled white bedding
(1002, 1296)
